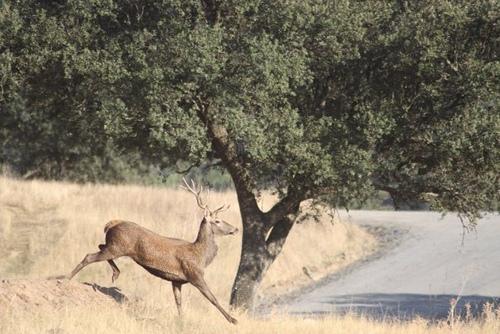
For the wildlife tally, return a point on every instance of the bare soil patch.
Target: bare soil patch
(56, 294)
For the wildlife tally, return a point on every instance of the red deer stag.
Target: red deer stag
(174, 260)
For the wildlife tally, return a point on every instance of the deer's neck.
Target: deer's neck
(205, 243)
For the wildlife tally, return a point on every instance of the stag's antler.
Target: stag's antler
(221, 209)
(197, 193)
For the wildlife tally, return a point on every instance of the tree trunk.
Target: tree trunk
(257, 255)
(254, 263)
(264, 234)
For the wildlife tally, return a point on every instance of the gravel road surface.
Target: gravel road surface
(432, 266)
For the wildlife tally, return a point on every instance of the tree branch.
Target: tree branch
(291, 202)
(202, 167)
(227, 151)
(278, 235)
(281, 209)
(183, 171)
(211, 11)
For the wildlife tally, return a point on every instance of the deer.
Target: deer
(175, 260)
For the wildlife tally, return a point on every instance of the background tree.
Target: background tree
(315, 99)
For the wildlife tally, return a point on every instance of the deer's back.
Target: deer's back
(147, 248)
(132, 236)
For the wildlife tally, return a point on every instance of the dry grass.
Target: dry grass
(139, 319)
(46, 228)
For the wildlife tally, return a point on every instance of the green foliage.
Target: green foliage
(320, 97)
(214, 178)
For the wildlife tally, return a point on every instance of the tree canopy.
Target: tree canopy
(317, 99)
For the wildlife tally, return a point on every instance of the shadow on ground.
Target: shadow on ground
(408, 306)
(113, 292)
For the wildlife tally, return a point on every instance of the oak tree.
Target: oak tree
(323, 100)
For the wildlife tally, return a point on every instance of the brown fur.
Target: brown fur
(110, 224)
(174, 260)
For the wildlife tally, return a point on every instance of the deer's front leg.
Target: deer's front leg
(176, 286)
(198, 281)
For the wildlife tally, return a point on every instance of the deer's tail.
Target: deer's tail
(110, 225)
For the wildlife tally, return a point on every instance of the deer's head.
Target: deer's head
(218, 226)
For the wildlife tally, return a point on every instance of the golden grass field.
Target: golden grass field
(47, 227)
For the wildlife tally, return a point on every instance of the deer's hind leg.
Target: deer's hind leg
(116, 271)
(103, 255)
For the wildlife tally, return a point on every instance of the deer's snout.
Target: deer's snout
(230, 229)
(221, 227)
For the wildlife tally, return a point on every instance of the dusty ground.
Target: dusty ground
(25, 295)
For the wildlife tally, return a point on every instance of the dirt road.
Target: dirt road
(422, 275)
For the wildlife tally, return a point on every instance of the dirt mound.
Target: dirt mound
(27, 294)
